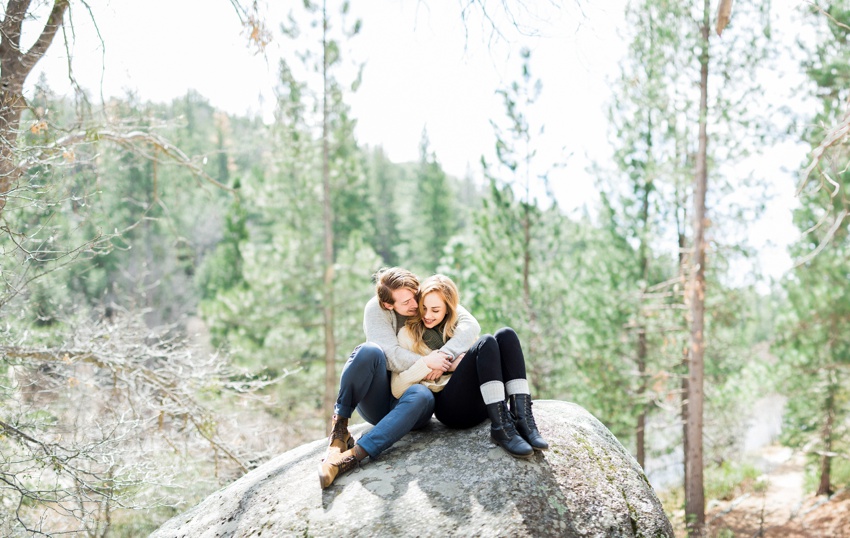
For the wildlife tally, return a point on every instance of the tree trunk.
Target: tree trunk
(826, 438)
(640, 434)
(526, 260)
(11, 106)
(685, 368)
(328, 283)
(681, 219)
(537, 381)
(15, 67)
(640, 437)
(695, 494)
(534, 339)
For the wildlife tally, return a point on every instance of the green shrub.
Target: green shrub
(729, 480)
(839, 474)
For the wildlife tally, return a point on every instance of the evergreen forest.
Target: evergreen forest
(180, 286)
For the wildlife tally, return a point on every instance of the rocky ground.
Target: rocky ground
(777, 506)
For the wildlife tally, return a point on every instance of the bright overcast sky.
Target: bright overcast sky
(423, 69)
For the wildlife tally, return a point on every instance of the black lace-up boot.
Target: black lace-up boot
(503, 432)
(521, 410)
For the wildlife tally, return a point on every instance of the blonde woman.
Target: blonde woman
(365, 381)
(478, 382)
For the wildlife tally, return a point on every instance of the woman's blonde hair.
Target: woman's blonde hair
(447, 291)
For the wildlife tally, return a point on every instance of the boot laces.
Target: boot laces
(340, 434)
(346, 464)
(529, 418)
(507, 421)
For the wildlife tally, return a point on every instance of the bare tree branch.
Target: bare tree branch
(130, 386)
(133, 141)
(839, 219)
(833, 137)
(54, 21)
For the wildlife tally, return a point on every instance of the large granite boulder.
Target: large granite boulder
(441, 482)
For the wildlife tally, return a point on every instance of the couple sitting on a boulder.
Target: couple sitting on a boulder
(423, 356)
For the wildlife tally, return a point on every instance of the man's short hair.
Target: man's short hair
(388, 280)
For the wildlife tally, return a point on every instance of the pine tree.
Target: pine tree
(306, 263)
(814, 339)
(648, 139)
(433, 220)
(516, 265)
(667, 131)
(383, 179)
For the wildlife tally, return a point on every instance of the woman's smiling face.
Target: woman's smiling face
(434, 310)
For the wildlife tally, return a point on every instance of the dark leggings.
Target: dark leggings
(492, 358)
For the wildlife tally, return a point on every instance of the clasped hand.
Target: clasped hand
(440, 363)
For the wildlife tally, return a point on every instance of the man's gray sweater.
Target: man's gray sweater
(382, 326)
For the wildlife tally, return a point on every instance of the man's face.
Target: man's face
(404, 302)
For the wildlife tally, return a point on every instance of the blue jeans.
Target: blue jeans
(365, 386)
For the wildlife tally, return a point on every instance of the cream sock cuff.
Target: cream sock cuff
(517, 386)
(493, 392)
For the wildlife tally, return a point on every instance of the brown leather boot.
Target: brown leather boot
(340, 439)
(337, 464)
